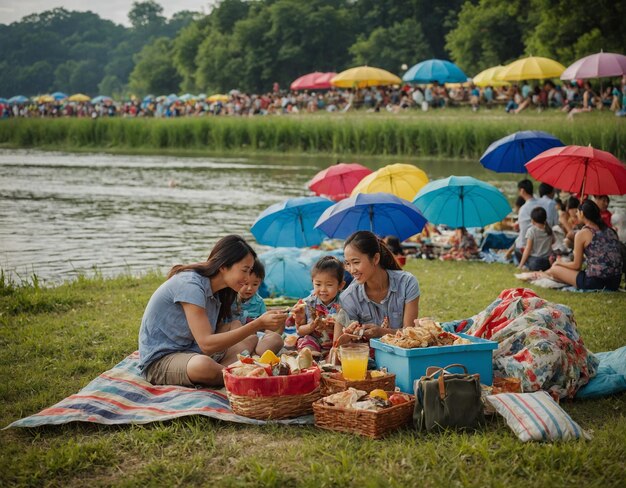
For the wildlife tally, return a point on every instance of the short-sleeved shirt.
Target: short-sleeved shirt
(551, 211)
(249, 310)
(164, 327)
(523, 219)
(542, 242)
(403, 288)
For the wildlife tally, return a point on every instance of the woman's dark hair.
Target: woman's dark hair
(258, 269)
(559, 203)
(329, 264)
(393, 243)
(226, 252)
(519, 202)
(572, 202)
(539, 215)
(592, 213)
(367, 243)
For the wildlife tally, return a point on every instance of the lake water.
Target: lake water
(63, 214)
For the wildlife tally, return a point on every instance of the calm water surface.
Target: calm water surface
(64, 214)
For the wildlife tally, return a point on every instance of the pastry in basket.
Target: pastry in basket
(345, 399)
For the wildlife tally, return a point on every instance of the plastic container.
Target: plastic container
(410, 364)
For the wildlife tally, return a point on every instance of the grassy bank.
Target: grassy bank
(55, 340)
(456, 133)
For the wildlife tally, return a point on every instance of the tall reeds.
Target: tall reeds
(461, 137)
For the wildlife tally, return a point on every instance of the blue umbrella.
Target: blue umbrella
(382, 213)
(438, 70)
(462, 201)
(18, 99)
(101, 99)
(291, 223)
(3, 100)
(286, 275)
(59, 95)
(511, 153)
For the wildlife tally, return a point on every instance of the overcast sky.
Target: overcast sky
(115, 10)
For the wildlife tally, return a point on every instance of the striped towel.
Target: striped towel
(123, 396)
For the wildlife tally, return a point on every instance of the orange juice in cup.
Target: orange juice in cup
(354, 359)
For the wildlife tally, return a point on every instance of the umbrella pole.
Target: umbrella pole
(461, 197)
(302, 228)
(371, 214)
(582, 188)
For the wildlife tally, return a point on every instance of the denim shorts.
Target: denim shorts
(584, 282)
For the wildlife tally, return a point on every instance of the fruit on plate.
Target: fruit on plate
(269, 357)
(398, 398)
(378, 393)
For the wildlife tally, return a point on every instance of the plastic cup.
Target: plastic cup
(354, 359)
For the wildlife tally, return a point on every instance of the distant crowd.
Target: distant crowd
(571, 97)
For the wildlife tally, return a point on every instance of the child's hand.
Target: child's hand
(272, 320)
(298, 312)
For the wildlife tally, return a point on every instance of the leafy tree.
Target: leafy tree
(154, 70)
(111, 86)
(146, 14)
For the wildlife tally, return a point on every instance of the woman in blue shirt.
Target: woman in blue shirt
(382, 297)
(184, 338)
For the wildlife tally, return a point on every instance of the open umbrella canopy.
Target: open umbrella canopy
(488, 77)
(101, 99)
(79, 97)
(580, 169)
(286, 275)
(381, 213)
(439, 70)
(59, 95)
(364, 76)
(599, 65)
(18, 99)
(337, 181)
(402, 180)
(313, 81)
(462, 201)
(511, 153)
(291, 223)
(44, 99)
(531, 68)
(218, 97)
(187, 97)
(3, 100)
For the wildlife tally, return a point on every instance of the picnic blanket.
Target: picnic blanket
(611, 377)
(122, 396)
(538, 342)
(545, 282)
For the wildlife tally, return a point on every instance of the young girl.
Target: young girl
(184, 338)
(539, 240)
(328, 281)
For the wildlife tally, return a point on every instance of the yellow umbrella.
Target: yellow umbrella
(217, 98)
(488, 77)
(402, 180)
(79, 97)
(363, 76)
(531, 68)
(44, 99)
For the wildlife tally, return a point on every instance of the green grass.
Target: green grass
(450, 133)
(57, 339)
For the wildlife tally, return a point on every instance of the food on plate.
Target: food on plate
(270, 365)
(398, 398)
(426, 333)
(361, 400)
(268, 357)
(290, 341)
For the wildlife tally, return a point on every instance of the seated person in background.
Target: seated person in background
(393, 243)
(600, 247)
(568, 220)
(517, 206)
(602, 201)
(248, 304)
(539, 240)
(463, 246)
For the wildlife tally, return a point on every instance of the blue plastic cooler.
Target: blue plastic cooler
(410, 364)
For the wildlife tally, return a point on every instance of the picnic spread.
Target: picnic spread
(538, 358)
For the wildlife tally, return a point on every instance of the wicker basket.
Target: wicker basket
(364, 422)
(275, 397)
(334, 383)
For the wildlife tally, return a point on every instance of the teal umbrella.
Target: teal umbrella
(18, 99)
(462, 201)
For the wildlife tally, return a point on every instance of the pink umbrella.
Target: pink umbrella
(600, 65)
(338, 181)
(313, 81)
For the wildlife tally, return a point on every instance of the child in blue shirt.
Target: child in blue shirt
(249, 305)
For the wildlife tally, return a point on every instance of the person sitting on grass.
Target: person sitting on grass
(599, 246)
(327, 275)
(602, 201)
(463, 246)
(539, 240)
(184, 338)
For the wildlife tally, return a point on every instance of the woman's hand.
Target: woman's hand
(272, 320)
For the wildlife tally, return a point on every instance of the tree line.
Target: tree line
(250, 45)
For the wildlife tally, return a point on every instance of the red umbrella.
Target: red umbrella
(338, 181)
(580, 169)
(313, 81)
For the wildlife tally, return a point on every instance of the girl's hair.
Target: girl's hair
(539, 215)
(592, 212)
(258, 269)
(226, 252)
(367, 243)
(328, 264)
(572, 202)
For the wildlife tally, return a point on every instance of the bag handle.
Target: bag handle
(432, 371)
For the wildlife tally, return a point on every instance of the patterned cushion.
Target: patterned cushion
(536, 416)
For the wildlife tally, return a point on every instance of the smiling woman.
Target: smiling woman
(184, 338)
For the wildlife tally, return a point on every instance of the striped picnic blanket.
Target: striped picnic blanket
(122, 396)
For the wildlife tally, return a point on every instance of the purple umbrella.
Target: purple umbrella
(600, 65)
